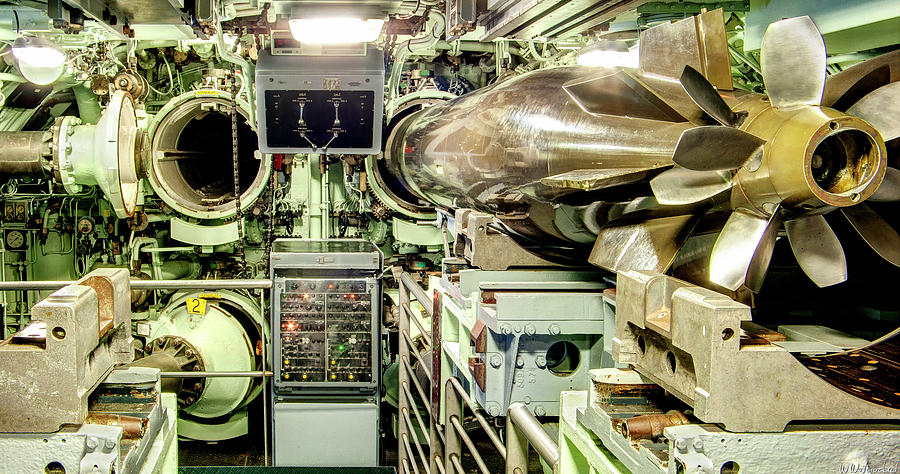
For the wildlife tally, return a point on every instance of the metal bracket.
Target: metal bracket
(688, 340)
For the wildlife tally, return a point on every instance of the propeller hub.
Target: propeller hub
(814, 157)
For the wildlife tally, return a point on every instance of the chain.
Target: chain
(235, 158)
(273, 183)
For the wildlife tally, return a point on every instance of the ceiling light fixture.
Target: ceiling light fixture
(335, 30)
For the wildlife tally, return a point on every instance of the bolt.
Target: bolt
(91, 443)
(70, 131)
(526, 400)
(189, 353)
(110, 444)
(554, 329)
(505, 329)
(494, 409)
(539, 411)
(520, 362)
(198, 386)
(518, 328)
(496, 361)
(540, 361)
(698, 445)
(681, 445)
(529, 329)
(68, 148)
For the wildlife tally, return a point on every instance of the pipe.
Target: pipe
(529, 426)
(534, 53)
(409, 47)
(88, 104)
(23, 153)
(169, 249)
(8, 77)
(17, 19)
(236, 284)
(238, 373)
(473, 47)
(325, 204)
(246, 70)
(174, 269)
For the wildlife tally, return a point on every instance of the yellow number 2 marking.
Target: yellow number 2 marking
(196, 306)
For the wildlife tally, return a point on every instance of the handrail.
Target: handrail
(138, 284)
(523, 429)
(445, 447)
(407, 461)
(420, 295)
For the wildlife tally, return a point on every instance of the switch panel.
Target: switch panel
(330, 103)
(326, 317)
(321, 119)
(326, 331)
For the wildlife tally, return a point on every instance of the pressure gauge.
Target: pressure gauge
(85, 225)
(15, 240)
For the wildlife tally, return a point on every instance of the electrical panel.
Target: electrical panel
(462, 16)
(326, 331)
(326, 307)
(320, 104)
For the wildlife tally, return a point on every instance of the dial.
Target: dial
(85, 225)
(15, 240)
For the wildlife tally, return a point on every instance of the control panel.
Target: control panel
(326, 103)
(326, 331)
(324, 119)
(326, 317)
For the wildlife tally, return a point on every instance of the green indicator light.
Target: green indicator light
(341, 347)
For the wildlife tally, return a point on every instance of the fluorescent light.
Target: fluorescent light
(335, 30)
(608, 54)
(38, 52)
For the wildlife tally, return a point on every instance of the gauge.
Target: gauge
(15, 240)
(85, 225)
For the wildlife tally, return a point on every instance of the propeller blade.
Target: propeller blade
(880, 236)
(679, 186)
(889, 190)
(792, 59)
(881, 108)
(649, 245)
(714, 148)
(743, 250)
(707, 98)
(848, 86)
(817, 249)
(618, 93)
